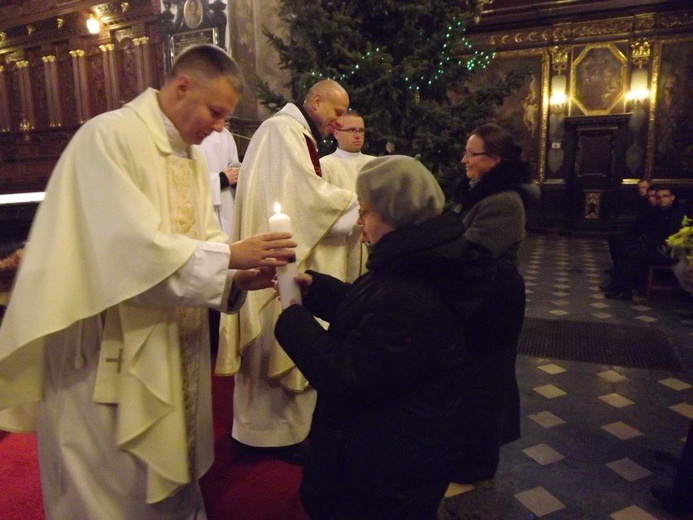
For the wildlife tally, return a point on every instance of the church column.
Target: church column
(55, 111)
(26, 100)
(144, 62)
(79, 72)
(110, 74)
(4, 102)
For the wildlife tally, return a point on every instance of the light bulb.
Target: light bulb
(93, 25)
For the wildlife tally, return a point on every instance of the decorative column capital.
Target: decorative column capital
(640, 52)
(559, 58)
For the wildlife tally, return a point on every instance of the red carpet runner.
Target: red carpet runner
(237, 487)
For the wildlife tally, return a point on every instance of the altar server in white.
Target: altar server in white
(221, 153)
(104, 347)
(273, 402)
(341, 168)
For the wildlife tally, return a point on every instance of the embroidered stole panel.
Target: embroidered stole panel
(185, 220)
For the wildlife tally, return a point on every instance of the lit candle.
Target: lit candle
(288, 288)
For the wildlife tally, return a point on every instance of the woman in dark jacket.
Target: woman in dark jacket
(492, 207)
(387, 369)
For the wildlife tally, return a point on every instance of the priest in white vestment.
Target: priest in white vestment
(104, 347)
(221, 152)
(341, 168)
(273, 403)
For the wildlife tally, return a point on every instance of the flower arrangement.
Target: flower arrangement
(681, 242)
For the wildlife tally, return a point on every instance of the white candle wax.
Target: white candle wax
(279, 222)
(288, 288)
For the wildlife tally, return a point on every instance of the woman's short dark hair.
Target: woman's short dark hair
(498, 142)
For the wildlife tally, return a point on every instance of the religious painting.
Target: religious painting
(192, 13)
(598, 79)
(524, 113)
(673, 106)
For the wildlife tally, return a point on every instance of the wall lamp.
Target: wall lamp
(93, 24)
(559, 85)
(639, 81)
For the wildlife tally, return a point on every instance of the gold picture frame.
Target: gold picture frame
(598, 79)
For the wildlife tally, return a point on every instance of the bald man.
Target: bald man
(104, 349)
(273, 403)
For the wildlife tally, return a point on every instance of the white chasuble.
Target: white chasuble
(273, 402)
(122, 218)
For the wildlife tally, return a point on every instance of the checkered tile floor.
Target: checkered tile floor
(595, 437)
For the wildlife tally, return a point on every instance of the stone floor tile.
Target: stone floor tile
(675, 384)
(558, 312)
(549, 391)
(612, 376)
(629, 470)
(539, 501)
(546, 419)
(543, 454)
(632, 513)
(616, 400)
(552, 369)
(684, 409)
(455, 489)
(622, 431)
(601, 315)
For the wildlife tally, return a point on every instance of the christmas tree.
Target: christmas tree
(405, 65)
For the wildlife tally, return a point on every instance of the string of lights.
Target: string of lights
(452, 52)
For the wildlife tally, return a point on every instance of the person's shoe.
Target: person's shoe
(671, 502)
(619, 295)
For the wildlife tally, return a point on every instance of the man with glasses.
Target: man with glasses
(650, 249)
(341, 168)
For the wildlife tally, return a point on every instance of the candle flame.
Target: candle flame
(277, 207)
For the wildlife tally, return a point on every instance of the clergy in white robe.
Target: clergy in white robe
(341, 168)
(273, 403)
(103, 349)
(221, 152)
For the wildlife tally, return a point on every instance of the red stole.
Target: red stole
(314, 157)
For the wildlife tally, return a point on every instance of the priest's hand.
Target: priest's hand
(265, 249)
(254, 279)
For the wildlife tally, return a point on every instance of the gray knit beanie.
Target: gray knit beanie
(401, 189)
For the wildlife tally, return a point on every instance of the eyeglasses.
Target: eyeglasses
(357, 131)
(660, 197)
(363, 212)
(467, 153)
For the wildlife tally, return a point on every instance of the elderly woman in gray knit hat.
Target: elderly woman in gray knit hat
(387, 368)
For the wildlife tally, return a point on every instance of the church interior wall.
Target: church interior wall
(588, 151)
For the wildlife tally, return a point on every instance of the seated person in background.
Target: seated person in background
(621, 240)
(650, 248)
(387, 369)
